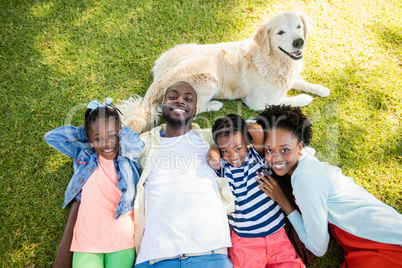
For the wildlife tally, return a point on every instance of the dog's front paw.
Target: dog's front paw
(302, 100)
(299, 100)
(322, 91)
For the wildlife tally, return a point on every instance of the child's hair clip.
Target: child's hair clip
(93, 105)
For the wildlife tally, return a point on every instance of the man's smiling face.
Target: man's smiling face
(180, 105)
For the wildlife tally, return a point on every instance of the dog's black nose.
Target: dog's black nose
(298, 43)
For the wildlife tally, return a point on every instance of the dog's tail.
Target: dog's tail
(141, 114)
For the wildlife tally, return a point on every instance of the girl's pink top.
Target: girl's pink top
(96, 229)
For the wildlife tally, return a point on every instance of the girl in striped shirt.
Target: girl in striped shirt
(257, 226)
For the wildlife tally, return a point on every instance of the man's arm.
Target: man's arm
(64, 257)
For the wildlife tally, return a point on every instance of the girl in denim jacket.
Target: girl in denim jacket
(105, 175)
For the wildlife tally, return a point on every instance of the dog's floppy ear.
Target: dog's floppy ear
(306, 23)
(262, 36)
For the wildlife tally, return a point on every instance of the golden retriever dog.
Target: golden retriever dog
(259, 70)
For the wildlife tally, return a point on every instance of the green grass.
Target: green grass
(56, 56)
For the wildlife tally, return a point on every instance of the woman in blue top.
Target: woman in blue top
(105, 174)
(368, 230)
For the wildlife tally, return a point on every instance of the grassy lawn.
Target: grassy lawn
(56, 56)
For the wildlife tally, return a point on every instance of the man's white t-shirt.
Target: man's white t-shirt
(183, 208)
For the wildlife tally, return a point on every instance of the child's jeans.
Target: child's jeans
(274, 250)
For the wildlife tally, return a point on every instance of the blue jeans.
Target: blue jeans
(205, 261)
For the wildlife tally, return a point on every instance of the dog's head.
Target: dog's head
(285, 34)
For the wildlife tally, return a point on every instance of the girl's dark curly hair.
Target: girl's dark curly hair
(288, 118)
(230, 124)
(99, 113)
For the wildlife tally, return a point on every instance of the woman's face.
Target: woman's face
(282, 151)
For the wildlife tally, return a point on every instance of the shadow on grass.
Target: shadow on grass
(55, 55)
(391, 37)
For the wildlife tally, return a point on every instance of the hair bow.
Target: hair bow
(95, 104)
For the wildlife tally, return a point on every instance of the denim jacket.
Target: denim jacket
(73, 142)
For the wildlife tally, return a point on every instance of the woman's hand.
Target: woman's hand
(269, 186)
(272, 188)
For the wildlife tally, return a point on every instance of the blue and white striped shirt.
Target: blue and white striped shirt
(256, 215)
